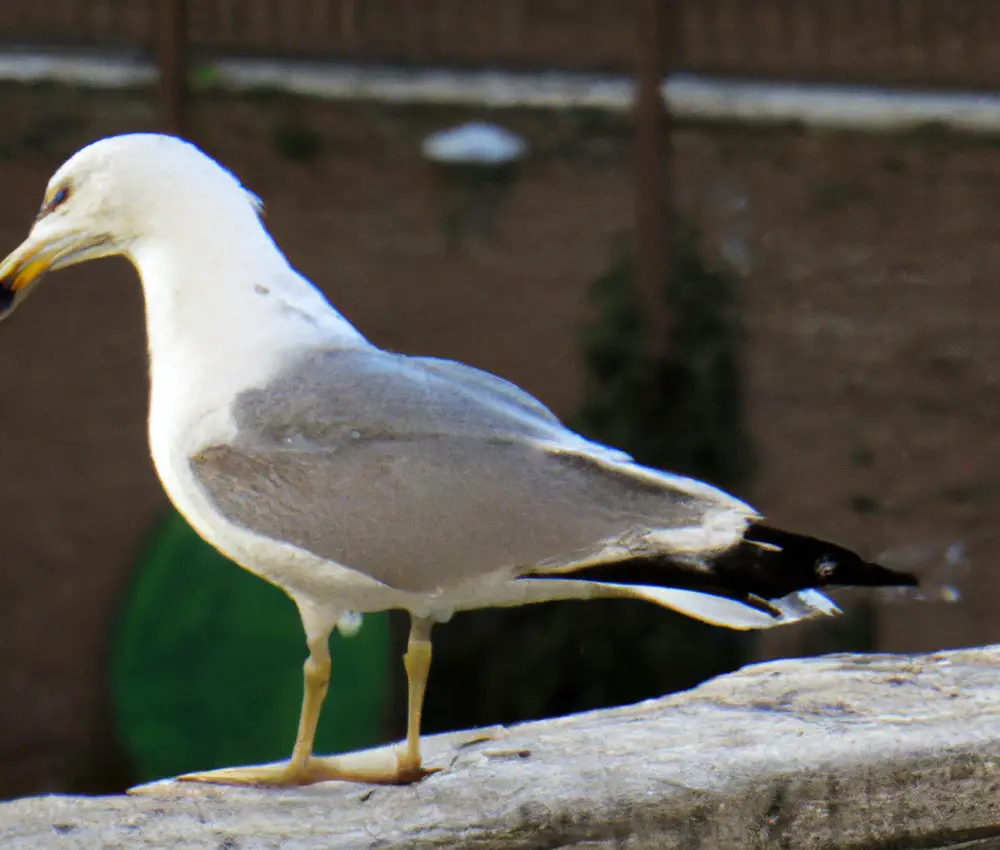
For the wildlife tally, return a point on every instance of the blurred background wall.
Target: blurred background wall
(864, 267)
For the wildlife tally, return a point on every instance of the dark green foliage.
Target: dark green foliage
(834, 195)
(862, 503)
(297, 141)
(206, 665)
(681, 411)
(614, 353)
(471, 195)
(697, 396)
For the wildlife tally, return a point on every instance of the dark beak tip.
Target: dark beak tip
(7, 298)
(895, 577)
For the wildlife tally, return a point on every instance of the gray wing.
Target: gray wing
(424, 475)
(477, 381)
(329, 396)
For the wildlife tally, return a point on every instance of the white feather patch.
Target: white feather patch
(729, 613)
(255, 202)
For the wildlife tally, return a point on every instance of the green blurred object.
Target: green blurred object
(206, 665)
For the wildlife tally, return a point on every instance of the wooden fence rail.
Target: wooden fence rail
(936, 43)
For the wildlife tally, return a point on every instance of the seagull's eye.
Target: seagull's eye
(59, 197)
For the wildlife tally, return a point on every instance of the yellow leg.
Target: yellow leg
(303, 768)
(418, 667)
(316, 680)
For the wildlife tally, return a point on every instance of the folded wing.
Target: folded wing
(424, 477)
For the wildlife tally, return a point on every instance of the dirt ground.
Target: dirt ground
(869, 295)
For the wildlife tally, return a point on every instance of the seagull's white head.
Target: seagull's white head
(116, 193)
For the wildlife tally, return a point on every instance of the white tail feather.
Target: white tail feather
(730, 613)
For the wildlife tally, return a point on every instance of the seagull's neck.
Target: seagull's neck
(227, 304)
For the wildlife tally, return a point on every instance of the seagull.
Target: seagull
(358, 479)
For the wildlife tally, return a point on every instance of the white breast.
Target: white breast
(216, 329)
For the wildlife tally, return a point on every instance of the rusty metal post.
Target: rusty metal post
(171, 29)
(653, 225)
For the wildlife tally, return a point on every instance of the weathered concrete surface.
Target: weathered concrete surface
(835, 752)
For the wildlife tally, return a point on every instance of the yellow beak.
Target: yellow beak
(28, 263)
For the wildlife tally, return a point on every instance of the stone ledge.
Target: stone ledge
(844, 751)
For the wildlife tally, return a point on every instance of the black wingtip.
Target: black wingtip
(768, 564)
(7, 298)
(878, 576)
(818, 563)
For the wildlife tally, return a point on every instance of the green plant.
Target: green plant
(829, 196)
(204, 77)
(894, 163)
(862, 503)
(471, 195)
(862, 455)
(683, 409)
(618, 369)
(206, 665)
(297, 141)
